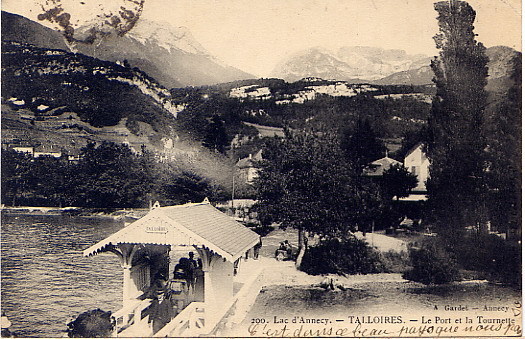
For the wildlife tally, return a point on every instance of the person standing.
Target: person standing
(161, 309)
(257, 249)
(190, 270)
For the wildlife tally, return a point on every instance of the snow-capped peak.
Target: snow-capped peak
(166, 36)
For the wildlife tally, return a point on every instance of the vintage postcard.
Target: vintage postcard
(261, 169)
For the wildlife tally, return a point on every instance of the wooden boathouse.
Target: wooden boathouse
(195, 307)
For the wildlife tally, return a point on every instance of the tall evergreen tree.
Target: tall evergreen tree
(504, 141)
(457, 191)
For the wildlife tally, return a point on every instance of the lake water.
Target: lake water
(46, 282)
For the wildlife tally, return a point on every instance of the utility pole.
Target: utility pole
(233, 187)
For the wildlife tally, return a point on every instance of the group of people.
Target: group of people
(188, 269)
(170, 297)
(162, 308)
(284, 251)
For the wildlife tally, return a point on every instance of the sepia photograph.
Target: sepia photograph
(261, 168)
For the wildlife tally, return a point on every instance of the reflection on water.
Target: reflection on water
(46, 282)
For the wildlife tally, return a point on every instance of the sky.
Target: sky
(255, 35)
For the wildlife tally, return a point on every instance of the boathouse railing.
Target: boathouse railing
(236, 310)
(189, 321)
(131, 316)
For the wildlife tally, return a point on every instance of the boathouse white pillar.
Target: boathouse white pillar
(208, 260)
(126, 253)
(209, 293)
(218, 290)
(209, 299)
(126, 285)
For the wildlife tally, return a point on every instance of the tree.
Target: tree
(15, 176)
(185, 186)
(457, 190)
(361, 144)
(305, 183)
(504, 139)
(49, 180)
(216, 138)
(397, 182)
(110, 175)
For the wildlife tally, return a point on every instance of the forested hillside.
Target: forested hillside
(56, 100)
(311, 103)
(100, 92)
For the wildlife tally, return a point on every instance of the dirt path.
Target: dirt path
(285, 273)
(382, 242)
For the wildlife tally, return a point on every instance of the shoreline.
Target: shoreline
(126, 214)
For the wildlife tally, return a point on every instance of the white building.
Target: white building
(417, 163)
(24, 149)
(248, 167)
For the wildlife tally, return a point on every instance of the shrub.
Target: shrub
(395, 262)
(499, 259)
(91, 324)
(431, 264)
(505, 262)
(349, 256)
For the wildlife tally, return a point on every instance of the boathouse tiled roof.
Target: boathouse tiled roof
(198, 224)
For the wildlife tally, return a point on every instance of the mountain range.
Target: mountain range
(18, 28)
(499, 67)
(49, 82)
(175, 59)
(381, 67)
(353, 64)
(170, 55)
(61, 95)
